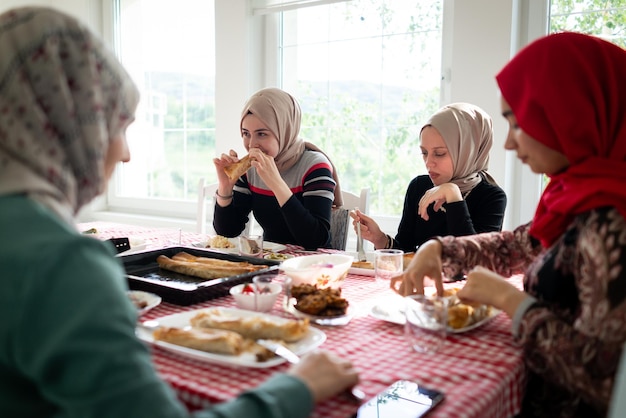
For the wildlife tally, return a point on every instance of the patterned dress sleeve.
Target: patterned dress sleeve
(506, 252)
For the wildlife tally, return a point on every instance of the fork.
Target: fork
(359, 241)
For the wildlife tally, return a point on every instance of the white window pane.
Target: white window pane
(367, 75)
(168, 47)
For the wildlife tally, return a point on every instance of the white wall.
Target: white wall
(486, 34)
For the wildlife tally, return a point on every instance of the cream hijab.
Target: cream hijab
(468, 133)
(281, 113)
(63, 98)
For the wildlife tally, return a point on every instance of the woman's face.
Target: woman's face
(118, 151)
(255, 134)
(436, 156)
(540, 158)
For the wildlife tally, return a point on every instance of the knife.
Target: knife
(280, 350)
(359, 242)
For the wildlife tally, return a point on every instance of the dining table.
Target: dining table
(481, 372)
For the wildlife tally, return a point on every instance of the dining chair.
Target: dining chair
(207, 192)
(352, 200)
(339, 221)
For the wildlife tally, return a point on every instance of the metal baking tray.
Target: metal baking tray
(143, 273)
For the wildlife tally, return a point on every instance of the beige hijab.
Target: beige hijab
(281, 113)
(468, 133)
(64, 97)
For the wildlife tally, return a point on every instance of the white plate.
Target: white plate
(272, 246)
(151, 299)
(231, 250)
(329, 321)
(394, 313)
(277, 256)
(313, 339)
(361, 272)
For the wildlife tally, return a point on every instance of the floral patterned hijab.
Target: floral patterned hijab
(568, 91)
(281, 113)
(63, 98)
(467, 131)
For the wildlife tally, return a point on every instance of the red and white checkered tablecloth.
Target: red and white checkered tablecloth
(481, 371)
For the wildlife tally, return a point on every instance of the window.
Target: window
(367, 75)
(168, 48)
(605, 19)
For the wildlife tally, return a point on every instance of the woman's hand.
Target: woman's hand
(489, 288)
(325, 374)
(225, 184)
(266, 169)
(444, 193)
(425, 263)
(369, 229)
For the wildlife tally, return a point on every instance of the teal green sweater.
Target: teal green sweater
(67, 342)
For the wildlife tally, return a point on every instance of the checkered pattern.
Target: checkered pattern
(481, 372)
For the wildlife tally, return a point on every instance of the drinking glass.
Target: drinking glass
(426, 322)
(388, 263)
(251, 245)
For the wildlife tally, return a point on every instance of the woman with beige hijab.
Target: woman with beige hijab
(458, 196)
(291, 185)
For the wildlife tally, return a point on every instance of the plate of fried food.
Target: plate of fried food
(228, 336)
(322, 306)
(461, 317)
(219, 243)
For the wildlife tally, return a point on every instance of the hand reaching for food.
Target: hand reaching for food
(489, 288)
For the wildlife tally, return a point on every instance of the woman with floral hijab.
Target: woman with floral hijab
(564, 97)
(291, 186)
(458, 196)
(68, 346)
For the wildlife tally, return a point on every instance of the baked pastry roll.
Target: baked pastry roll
(363, 265)
(204, 267)
(236, 170)
(253, 327)
(209, 340)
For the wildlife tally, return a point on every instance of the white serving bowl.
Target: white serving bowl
(265, 301)
(324, 270)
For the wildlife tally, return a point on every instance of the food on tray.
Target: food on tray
(319, 302)
(406, 259)
(209, 340)
(236, 170)
(219, 241)
(253, 327)
(461, 315)
(204, 267)
(363, 265)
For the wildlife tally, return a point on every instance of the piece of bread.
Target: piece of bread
(363, 265)
(236, 170)
(204, 267)
(209, 340)
(460, 316)
(253, 327)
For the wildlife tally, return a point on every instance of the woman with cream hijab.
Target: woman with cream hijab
(458, 196)
(291, 186)
(68, 328)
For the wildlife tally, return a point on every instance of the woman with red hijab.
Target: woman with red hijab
(564, 97)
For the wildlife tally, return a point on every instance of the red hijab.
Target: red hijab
(568, 91)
